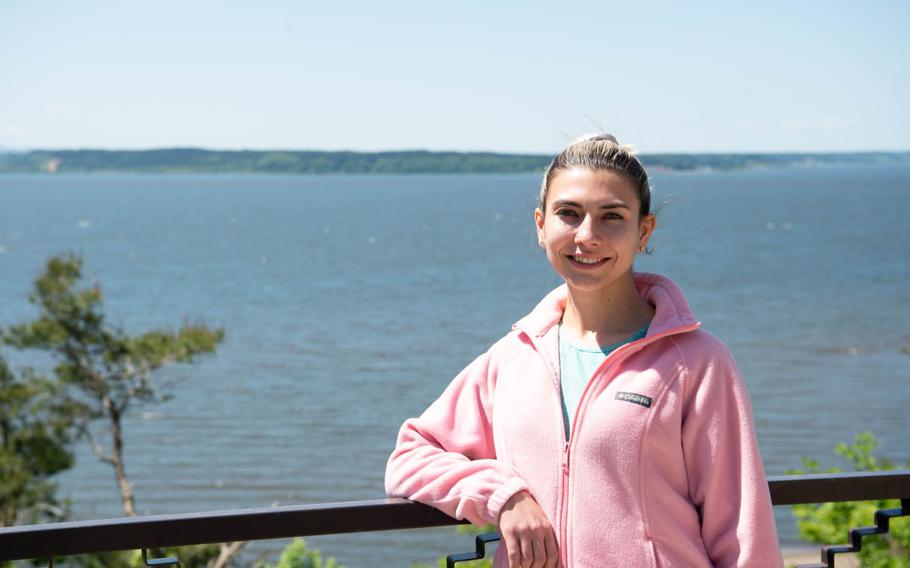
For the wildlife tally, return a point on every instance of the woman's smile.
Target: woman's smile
(587, 262)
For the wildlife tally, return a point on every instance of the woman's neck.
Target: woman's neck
(603, 317)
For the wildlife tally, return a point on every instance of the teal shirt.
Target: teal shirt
(576, 365)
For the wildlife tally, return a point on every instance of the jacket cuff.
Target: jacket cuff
(499, 497)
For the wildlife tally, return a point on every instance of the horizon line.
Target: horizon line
(10, 149)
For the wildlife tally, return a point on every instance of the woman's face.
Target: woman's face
(591, 229)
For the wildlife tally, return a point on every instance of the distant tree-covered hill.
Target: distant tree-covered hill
(195, 160)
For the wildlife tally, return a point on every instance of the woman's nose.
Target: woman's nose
(585, 232)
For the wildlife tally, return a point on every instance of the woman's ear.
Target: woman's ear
(645, 228)
(538, 222)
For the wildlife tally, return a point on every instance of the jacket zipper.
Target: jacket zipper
(563, 483)
(565, 461)
(564, 513)
(564, 474)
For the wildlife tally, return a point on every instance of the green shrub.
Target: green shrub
(472, 531)
(297, 555)
(830, 523)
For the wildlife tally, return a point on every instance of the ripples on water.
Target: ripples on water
(350, 302)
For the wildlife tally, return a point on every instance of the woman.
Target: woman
(607, 429)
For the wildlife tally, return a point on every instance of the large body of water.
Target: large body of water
(350, 302)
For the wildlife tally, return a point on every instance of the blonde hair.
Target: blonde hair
(600, 152)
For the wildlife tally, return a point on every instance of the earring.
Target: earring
(542, 244)
(641, 248)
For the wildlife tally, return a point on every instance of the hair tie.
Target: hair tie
(600, 136)
(607, 137)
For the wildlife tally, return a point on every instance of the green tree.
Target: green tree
(297, 555)
(105, 368)
(101, 371)
(830, 523)
(35, 437)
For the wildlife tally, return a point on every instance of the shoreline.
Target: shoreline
(201, 160)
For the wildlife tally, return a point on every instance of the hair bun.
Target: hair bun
(598, 136)
(607, 137)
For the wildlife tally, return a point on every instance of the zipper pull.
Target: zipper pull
(565, 458)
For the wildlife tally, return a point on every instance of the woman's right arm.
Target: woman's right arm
(446, 458)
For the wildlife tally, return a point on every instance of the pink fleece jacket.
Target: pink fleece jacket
(662, 467)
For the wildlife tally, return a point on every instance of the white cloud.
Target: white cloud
(797, 124)
(825, 123)
(60, 111)
(11, 136)
(752, 125)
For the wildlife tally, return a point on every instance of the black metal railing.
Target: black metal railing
(159, 531)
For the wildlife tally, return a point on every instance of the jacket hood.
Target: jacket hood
(670, 307)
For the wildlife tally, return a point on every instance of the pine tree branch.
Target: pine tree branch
(96, 448)
(228, 551)
(26, 515)
(96, 381)
(139, 384)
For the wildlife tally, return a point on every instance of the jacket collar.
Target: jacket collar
(670, 307)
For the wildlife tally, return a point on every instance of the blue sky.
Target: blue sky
(499, 76)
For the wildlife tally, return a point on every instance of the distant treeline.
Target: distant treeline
(194, 160)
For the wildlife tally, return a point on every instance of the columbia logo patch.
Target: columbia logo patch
(639, 399)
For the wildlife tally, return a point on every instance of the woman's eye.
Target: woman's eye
(566, 213)
(612, 216)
